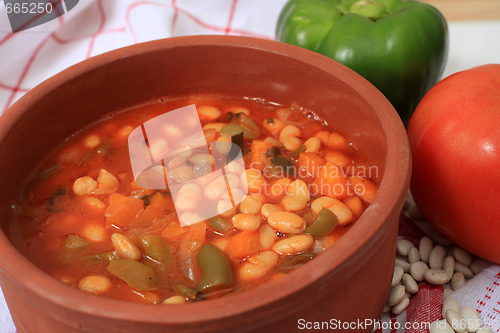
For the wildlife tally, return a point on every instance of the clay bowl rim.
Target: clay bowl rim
(390, 195)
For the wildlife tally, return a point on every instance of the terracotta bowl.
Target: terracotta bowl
(346, 284)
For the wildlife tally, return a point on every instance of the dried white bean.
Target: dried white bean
(403, 264)
(413, 255)
(471, 318)
(397, 275)
(447, 292)
(410, 284)
(418, 269)
(425, 249)
(440, 326)
(387, 308)
(401, 306)
(396, 295)
(459, 267)
(407, 294)
(479, 264)
(449, 265)
(436, 276)
(436, 257)
(457, 280)
(456, 321)
(404, 246)
(462, 256)
(450, 303)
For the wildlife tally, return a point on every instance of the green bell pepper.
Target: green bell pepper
(399, 46)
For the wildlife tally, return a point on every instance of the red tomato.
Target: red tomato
(455, 140)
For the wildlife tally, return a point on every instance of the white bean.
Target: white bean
(396, 295)
(449, 265)
(387, 308)
(457, 280)
(401, 306)
(246, 222)
(436, 276)
(403, 246)
(413, 255)
(410, 284)
(450, 303)
(125, 247)
(479, 264)
(462, 256)
(397, 275)
(95, 284)
(456, 321)
(471, 318)
(267, 236)
(447, 292)
(174, 300)
(459, 267)
(440, 326)
(293, 245)
(287, 222)
(258, 265)
(403, 264)
(267, 209)
(425, 249)
(418, 269)
(436, 257)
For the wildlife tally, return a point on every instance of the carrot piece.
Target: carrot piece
(148, 216)
(330, 182)
(257, 152)
(310, 163)
(159, 200)
(173, 232)
(243, 245)
(364, 188)
(122, 210)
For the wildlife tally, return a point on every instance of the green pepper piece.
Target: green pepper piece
(105, 257)
(155, 248)
(324, 223)
(72, 245)
(187, 292)
(137, 275)
(49, 172)
(216, 268)
(219, 224)
(233, 129)
(379, 46)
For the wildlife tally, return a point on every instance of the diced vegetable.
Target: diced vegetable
(186, 254)
(105, 257)
(155, 248)
(331, 181)
(187, 292)
(324, 223)
(122, 210)
(137, 275)
(216, 268)
(219, 224)
(247, 123)
(147, 216)
(159, 201)
(243, 245)
(173, 232)
(233, 129)
(72, 245)
(310, 162)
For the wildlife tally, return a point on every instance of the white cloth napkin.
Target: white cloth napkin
(97, 26)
